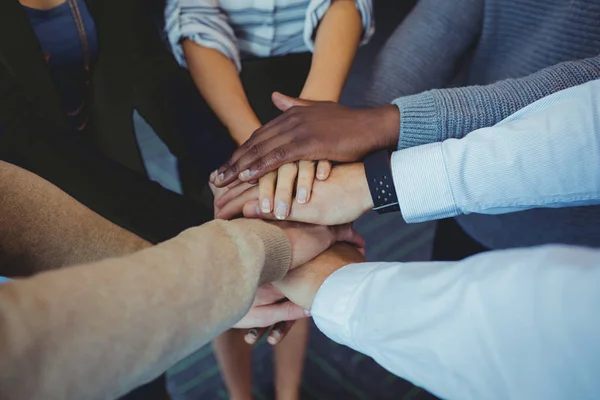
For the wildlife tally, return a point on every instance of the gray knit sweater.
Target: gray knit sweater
(506, 54)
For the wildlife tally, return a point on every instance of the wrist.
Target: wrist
(386, 120)
(321, 94)
(362, 189)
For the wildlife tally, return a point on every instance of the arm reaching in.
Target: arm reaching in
(504, 324)
(57, 327)
(43, 228)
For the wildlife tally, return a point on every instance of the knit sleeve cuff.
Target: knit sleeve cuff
(419, 122)
(278, 250)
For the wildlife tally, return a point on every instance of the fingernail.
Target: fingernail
(213, 175)
(281, 211)
(252, 334)
(274, 337)
(321, 174)
(220, 178)
(244, 175)
(257, 210)
(307, 313)
(265, 206)
(302, 196)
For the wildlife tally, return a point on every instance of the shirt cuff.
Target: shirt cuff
(419, 122)
(317, 9)
(335, 303)
(422, 184)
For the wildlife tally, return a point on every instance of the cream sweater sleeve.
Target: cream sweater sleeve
(97, 331)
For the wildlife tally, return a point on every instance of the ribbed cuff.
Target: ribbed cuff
(422, 185)
(419, 123)
(278, 250)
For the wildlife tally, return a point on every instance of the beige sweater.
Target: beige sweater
(97, 331)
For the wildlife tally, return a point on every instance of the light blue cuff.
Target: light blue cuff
(3, 280)
(422, 185)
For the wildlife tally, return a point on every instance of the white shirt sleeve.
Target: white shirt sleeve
(203, 22)
(513, 324)
(316, 11)
(545, 155)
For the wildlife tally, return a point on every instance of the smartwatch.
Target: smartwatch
(381, 183)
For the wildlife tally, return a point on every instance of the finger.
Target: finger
(252, 146)
(280, 154)
(283, 102)
(306, 177)
(254, 335)
(213, 176)
(231, 194)
(274, 313)
(266, 192)
(307, 213)
(235, 206)
(347, 233)
(238, 169)
(323, 170)
(279, 331)
(286, 177)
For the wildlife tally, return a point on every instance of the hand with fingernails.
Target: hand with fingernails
(300, 286)
(311, 131)
(277, 187)
(307, 241)
(343, 198)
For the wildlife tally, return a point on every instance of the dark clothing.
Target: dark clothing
(62, 47)
(452, 243)
(134, 70)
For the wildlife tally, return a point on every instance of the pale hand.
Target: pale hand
(302, 284)
(267, 309)
(341, 199)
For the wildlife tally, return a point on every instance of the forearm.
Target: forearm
(511, 166)
(43, 228)
(438, 115)
(99, 330)
(336, 43)
(476, 328)
(217, 79)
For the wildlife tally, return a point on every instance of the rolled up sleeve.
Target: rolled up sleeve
(204, 23)
(317, 9)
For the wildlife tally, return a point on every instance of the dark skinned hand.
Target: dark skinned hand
(311, 131)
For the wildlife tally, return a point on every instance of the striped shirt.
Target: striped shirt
(251, 28)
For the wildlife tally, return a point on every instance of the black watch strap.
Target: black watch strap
(381, 182)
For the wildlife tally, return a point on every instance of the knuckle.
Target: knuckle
(256, 149)
(247, 144)
(280, 154)
(289, 311)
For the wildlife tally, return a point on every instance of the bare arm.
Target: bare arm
(42, 228)
(217, 79)
(336, 43)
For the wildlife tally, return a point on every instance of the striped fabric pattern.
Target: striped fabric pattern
(251, 28)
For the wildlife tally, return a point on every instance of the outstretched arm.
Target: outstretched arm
(42, 228)
(504, 324)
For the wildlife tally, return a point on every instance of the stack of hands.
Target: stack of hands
(272, 176)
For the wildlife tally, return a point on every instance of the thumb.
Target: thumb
(274, 313)
(283, 102)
